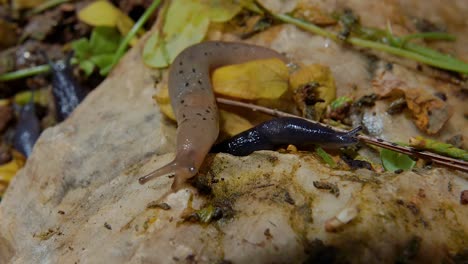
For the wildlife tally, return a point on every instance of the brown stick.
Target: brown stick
(436, 158)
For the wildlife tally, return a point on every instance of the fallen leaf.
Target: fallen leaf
(6, 114)
(99, 50)
(430, 113)
(186, 23)
(310, 12)
(325, 157)
(221, 10)
(393, 161)
(314, 89)
(9, 170)
(104, 14)
(438, 147)
(100, 13)
(259, 79)
(251, 5)
(230, 123)
(233, 124)
(162, 98)
(8, 33)
(25, 4)
(339, 108)
(40, 97)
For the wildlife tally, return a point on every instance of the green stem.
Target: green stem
(24, 73)
(433, 54)
(428, 35)
(436, 62)
(132, 33)
(306, 25)
(417, 53)
(46, 5)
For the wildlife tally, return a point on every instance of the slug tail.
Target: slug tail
(46, 58)
(165, 170)
(69, 58)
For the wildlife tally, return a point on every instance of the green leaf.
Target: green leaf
(40, 97)
(155, 53)
(87, 66)
(206, 214)
(393, 161)
(186, 23)
(104, 40)
(325, 157)
(81, 48)
(98, 51)
(339, 102)
(442, 148)
(222, 10)
(102, 60)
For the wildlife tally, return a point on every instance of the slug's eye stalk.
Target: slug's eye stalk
(350, 138)
(180, 169)
(61, 65)
(354, 132)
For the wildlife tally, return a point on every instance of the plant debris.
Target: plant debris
(446, 149)
(156, 204)
(331, 187)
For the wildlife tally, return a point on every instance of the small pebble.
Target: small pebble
(106, 225)
(464, 197)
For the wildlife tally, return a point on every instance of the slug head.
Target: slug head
(182, 169)
(344, 139)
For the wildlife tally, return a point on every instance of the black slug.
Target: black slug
(27, 130)
(285, 130)
(67, 93)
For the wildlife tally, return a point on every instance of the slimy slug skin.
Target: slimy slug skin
(286, 130)
(194, 103)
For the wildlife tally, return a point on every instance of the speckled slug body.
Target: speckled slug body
(194, 103)
(67, 93)
(285, 130)
(28, 129)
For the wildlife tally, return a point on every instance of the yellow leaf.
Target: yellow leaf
(313, 82)
(186, 23)
(260, 79)
(9, 170)
(104, 13)
(4, 102)
(430, 112)
(124, 24)
(310, 12)
(24, 4)
(164, 102)
(100, 13)
(232, 124)
(222, 10)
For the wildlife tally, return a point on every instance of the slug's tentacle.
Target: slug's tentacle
(180, 166)
(194, 103)
(286, 130)
(354, 131)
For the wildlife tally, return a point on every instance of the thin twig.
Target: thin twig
(436, 158)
